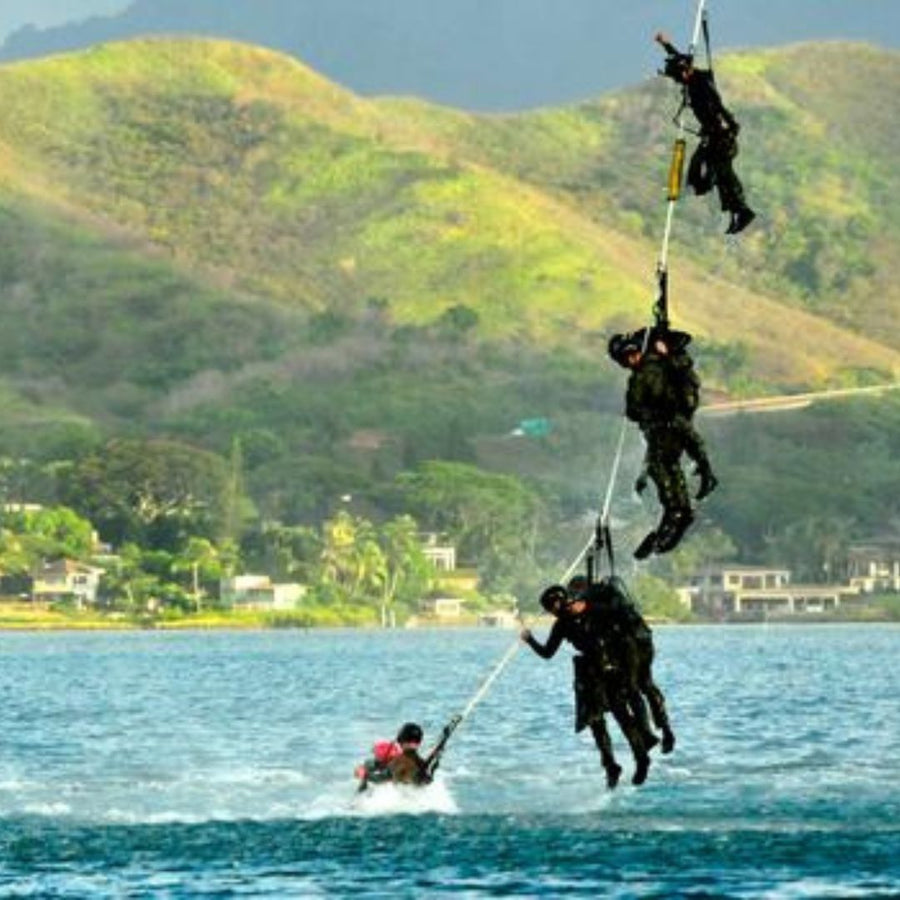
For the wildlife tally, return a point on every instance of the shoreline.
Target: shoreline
(97, 625)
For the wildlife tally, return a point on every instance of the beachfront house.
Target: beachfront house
(259, 592)
(754, 592)
(66, 579)
(874, 565)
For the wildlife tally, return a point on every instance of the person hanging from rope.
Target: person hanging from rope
(672, 345)
(601, 682)
(399, 761)
(711, 163)
(632, 639)
(660, 398)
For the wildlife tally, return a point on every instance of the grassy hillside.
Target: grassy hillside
(254, 175)
(209, 240)
(819, 135)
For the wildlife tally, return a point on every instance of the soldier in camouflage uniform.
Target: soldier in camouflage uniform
(662, 394)
(632, 639)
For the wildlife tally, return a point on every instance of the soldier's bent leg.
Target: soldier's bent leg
(633, 656)
(695, 450)
(604, 745)
(657, 702)
(700, 175)
(635, 740)
(655, 698)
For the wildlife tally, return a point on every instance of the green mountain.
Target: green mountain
(208, 239)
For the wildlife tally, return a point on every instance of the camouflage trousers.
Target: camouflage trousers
(665, 444)
(691, 442)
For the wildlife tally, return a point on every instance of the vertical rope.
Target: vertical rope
(662, 265)
(620, 443)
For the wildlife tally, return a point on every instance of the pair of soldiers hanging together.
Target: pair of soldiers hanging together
(662, 395)
(612, 669)
(711, 163)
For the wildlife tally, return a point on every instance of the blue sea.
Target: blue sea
(219, 764)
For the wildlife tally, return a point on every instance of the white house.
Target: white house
(874, 565)
(442, 607)
(736, 590)
(66, 579)
(441, 556)
(260, 592)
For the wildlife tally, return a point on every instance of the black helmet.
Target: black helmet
(554, 597)
(578, 585)
(410, 733)
(676, 65)
(618, 347)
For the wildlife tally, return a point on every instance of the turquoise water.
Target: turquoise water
(219, 764)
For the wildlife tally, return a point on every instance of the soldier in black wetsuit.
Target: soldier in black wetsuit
(661, 395)
(711, 163)
(632, 639)
(601, 682)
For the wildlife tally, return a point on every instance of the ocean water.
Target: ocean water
(219, 764)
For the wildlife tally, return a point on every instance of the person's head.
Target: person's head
(555, 599)
(623, 349)
(410, 735)
(679, 67)
(578, 586)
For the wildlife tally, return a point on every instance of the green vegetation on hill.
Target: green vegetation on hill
(208, 242)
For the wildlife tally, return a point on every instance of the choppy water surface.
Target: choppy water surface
(219, 764)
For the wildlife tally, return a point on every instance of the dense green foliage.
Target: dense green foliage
(232, 294)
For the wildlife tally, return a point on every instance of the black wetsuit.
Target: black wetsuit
(601, 685)
(711, 162)
(630, 632)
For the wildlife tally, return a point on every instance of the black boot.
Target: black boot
(668, 741)
(641, 769)
(740, 219)
(708, 483)
(646, 546)
(672, 528)
(613, 773)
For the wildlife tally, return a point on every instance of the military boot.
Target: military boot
(708, 482)
(642, 767)
(740, 219)
(668, 741)
(613, 773)
(672, 528)
(646, 546)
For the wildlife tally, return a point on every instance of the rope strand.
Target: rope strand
(620, 444)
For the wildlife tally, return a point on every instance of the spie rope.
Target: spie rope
(507, 657)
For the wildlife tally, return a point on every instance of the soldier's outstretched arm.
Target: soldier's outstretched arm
(548, 650)
(663, 40)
